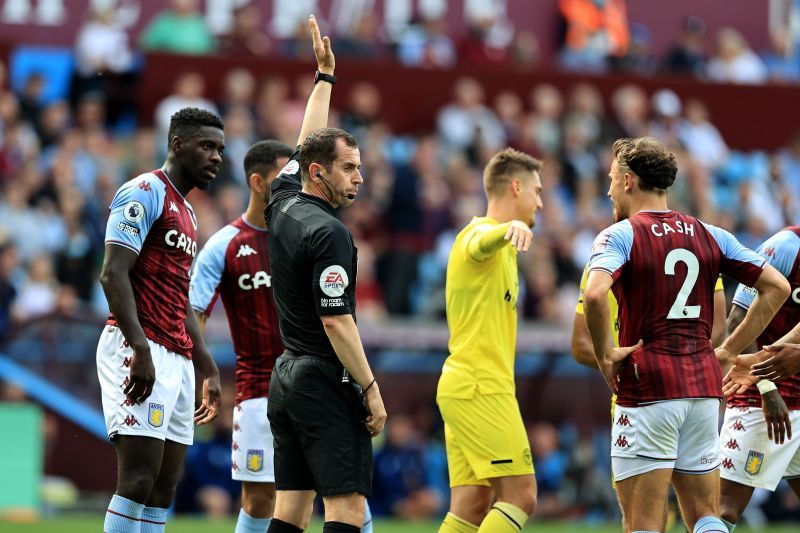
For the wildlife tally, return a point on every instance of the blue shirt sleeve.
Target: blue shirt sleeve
(612, 248)
(134, 209)
(732, 248)
(781, 252)
(208, 269)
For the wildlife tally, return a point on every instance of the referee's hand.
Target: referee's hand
(376, 412)
(322, 48)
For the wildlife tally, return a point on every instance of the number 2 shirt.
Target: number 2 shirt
(664, 265)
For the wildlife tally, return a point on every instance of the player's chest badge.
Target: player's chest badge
(255, 460)
(754, 461)
(155, 415)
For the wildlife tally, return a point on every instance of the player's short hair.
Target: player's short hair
(503, 166)
(320, 147)
(188, 120)
(649, 159)
(263, 156)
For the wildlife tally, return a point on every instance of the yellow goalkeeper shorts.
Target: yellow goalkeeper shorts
(485, 438)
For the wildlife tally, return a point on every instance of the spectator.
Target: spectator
(667, 108)
(488, 36)
(400, 487)
(9, 261)
(780, 60)
(363, 110)
(701, 138)
(735, 62)
(189, 91)
(551, 469)
(639, 59)
(247, 36)
(426, 44)
(467, 124)
(544, 122)
(687, 55)
(631, 110)
(595, 30)
(38, 294)
(179, 29)
(238, 90)
(102, 45)
(362, 40)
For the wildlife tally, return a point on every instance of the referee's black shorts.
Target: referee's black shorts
(317, 422)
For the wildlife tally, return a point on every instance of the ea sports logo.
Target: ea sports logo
(333, 281)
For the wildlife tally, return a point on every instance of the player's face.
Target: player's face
(529, 200)
(345, 174)
(616, 192)
(201, 155)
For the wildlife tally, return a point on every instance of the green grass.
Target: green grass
(197, 525)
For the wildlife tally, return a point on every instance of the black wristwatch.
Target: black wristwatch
(321, 76)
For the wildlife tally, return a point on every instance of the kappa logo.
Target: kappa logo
(173, 207)
(769, 251)
(727, 464)
(234, 466)
(737, 425)
(236, 427)
(127, 402)
(333, 281)
(126, 363)
(622, 442)
(754, 462)
(144, 186)
(732, 445)
(130, 420)
(155, 415)
(235, 446)
(623, 420)
(245, 250)
(255, 460)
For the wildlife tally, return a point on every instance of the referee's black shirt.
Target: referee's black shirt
(313, 262)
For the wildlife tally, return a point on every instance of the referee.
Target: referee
(324, 401)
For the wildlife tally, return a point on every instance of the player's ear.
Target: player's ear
(254, 180)
(175, 144)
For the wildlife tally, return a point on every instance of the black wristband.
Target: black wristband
(368, 386)
(321, 76)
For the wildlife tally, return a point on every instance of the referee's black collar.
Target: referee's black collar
(319, 201)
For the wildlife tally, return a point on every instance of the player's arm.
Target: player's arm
(201, 321)
(316, 115)
(582, 348)
(487, 240)
(719, 329)
(206, 371)
(115, 280)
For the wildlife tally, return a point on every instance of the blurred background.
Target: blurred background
(431, 89)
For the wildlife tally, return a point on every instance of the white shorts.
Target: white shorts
(676, 434)
(752, 459)
(252, 454)
(168, 413)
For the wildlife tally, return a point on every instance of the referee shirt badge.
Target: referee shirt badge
(255, 460)
(754, 461)
(155, 415)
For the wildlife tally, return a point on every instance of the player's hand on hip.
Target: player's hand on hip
(782, 361)
(210, 402)
(142, 375)
(520, 235)
(739, 379)
(376, 412)
(620, 354)
(322, 48)
(776, 414)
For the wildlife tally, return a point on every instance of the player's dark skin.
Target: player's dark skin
(148, 468)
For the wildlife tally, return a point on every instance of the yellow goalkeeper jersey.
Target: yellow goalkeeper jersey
(612, 304)
(481, 299)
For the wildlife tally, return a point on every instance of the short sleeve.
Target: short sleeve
(741, 263)
(331, 251)
(781, 252)
(612, 248)
(208, 269)
(288, 179)
(133, 211)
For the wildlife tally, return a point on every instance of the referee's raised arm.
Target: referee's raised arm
(316, 115)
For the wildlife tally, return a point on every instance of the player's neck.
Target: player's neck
(255, 213)
(173, 172)
(499, 212)
(649, 202)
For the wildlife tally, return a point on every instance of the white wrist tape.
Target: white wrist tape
(765, 386)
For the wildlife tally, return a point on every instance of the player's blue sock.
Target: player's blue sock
(154, 520)
(123, 516)
(729, 525)
(248, 524)
(367, 528)
(709, 524)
